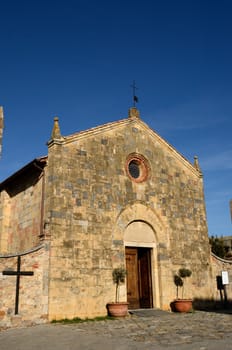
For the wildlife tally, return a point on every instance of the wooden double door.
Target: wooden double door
(139, 282)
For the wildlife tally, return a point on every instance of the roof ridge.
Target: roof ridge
(130, 120)
(98, 127)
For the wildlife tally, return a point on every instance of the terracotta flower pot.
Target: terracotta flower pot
(118, 309)
(182, 305)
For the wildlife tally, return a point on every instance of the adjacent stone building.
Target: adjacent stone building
(114, 195)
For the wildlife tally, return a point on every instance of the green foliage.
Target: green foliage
(183, 272)
(81, 320)
(217, 246)
(179, 279)
(119, 275)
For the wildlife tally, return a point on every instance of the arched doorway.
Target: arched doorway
(139, 240)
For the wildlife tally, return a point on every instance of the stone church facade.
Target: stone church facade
(114, 195)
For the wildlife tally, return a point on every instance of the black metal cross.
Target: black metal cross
(135, 98)
(17, 273)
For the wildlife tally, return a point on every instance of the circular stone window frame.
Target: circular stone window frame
(143, 165)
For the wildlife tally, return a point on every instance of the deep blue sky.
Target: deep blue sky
(77, 59)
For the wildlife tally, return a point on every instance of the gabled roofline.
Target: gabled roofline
(38, 163)
(108, 126)
(96, 130)
(42, 161)
(176, 153)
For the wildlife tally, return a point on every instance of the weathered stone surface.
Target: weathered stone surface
(98, 190)
(88, 206)
(33, 292)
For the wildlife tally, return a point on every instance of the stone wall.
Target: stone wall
(83, 202)
(221, 295)
(88, 189)
(20, 214)
(219, 265)
(33, 294)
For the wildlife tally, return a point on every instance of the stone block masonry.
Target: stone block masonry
(101, 197)
(88, 190)
(33, 292)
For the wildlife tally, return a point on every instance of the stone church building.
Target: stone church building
(111, 196)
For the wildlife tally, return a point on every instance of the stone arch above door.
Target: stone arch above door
(139, 233)
(141, 213)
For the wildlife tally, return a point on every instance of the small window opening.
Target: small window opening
(134, 169)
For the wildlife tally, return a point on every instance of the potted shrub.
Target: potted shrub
(118, 308)
(181, 304)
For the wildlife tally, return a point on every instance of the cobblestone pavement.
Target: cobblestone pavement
(146, 330)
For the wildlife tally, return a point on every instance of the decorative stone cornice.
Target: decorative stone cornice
(196, 165)
(56, 137)
(56, 129)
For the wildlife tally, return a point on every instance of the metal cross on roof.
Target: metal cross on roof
(135, 98)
